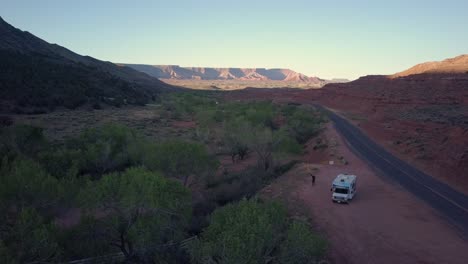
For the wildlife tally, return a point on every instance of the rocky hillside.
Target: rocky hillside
(242, 74)
(422, 116)
(38, 76)
(455, 65)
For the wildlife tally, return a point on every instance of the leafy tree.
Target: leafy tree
(25, 183)
(21, 140)
(180, 159)
(62, 162)
(301, 245)
(30, 239)
(236, 135)
(4, 254)
(303, 125)
(106, 148)
(138, 211)
(261, 114)
(287, 144)
(264, 142)
(246, 232)
(85, 240)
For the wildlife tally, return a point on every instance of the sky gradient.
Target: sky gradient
(342, 39)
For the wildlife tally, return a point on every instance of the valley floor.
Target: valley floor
(383, 224)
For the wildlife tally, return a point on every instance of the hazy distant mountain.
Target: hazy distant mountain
(204, 73)
(338, 80)
(458, 64)
(35, 73)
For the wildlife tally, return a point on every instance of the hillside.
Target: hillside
(454, 65)
(38, 76)
(422, 116)
(203, 73)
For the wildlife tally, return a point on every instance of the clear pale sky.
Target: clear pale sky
(319, 38)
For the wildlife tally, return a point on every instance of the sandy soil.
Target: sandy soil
(383, 224)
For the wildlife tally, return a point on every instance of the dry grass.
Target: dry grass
(151, 121)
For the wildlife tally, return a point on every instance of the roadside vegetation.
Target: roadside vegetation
(110, 189)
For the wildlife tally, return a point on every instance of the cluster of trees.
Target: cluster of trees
(248, 127)
(252, 231)
(111, 190)
(127, 193)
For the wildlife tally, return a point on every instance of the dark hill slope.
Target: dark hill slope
(36, 75)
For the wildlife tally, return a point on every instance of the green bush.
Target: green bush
(62, 162)
(301, 245)
(303, 125)
(245, 232)
(287, 144)
(107, 148)
(180, 159)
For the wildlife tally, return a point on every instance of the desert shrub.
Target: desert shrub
(181, 105)
(301, 245)
(144, 212)
(245, 232)
(203, 133)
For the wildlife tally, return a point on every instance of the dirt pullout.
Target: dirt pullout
(383, 224)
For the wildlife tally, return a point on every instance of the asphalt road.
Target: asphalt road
(451, 204)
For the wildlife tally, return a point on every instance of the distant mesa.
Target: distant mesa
(205, 73)
(456, 65)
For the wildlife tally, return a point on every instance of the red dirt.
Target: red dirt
(383, 224)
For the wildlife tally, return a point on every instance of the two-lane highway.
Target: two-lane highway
(450, 203)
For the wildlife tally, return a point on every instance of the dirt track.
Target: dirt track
(384, 224)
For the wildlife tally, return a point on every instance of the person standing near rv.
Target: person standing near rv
(310, 171)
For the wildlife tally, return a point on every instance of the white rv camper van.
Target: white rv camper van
(343, 188)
